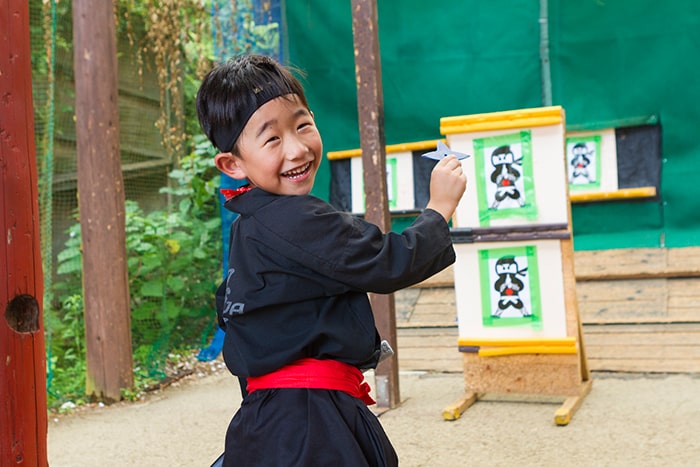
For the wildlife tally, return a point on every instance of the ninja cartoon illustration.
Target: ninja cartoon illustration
(509, 286)
(506, 172)
(580, 162)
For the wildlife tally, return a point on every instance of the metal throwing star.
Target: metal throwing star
(443, 151)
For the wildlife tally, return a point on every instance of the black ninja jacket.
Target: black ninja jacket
(299, 273)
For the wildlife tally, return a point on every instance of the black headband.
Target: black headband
(225, 137)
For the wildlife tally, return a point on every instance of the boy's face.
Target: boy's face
(280, 148)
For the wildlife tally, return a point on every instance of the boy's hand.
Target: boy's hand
(447, 185)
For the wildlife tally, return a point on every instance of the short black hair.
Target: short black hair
(231, 92)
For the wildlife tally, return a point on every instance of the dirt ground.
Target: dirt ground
(626, 420)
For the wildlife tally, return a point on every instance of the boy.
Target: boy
(299, 326)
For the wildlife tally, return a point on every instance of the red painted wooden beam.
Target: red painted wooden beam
(23, 415)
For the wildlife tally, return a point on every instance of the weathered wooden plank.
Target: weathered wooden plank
(429, 336)
(684, 288)
(431, 361)
(641, 300)
(426, 306)
(683, 261)
(442, 314)
(683, 297)
(622, 301)
(615, 352)
(673, 347)
(436, 366)
(637, 263)
(622, 290)
(602, 264)
(640, 365)
(429, 349)
(678, 329)
(656, 344)
(440, 295)
(424, 344)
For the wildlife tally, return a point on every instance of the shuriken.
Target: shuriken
(443, 151)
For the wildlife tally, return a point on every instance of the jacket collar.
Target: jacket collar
(247, 199)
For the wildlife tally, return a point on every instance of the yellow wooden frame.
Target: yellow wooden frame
(621, 194)
(523, 118)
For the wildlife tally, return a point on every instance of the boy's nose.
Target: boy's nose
(296, 148)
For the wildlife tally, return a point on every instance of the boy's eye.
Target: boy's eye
(305, 125)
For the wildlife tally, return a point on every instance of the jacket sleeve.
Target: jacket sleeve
(356, 253)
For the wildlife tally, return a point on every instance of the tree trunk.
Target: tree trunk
(101, 201)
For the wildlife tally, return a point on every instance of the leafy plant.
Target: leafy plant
(173, 258)
(66, 352)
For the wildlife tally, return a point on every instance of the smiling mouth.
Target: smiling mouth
(298, 172)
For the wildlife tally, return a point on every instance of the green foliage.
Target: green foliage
(173, 257)
(66, 352)
(172, 261)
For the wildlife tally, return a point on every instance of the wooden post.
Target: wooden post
(23, 415)
(370, 103)
(101, 201)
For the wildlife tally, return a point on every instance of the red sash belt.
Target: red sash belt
(315, 374)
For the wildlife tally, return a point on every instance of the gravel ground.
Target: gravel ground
(626, 420)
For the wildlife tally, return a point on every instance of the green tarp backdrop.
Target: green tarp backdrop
(607, 62)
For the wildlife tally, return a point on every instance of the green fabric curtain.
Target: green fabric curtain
(617, 60)
(612, 62)
(438, 59)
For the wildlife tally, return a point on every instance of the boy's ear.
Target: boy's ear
(227, 163)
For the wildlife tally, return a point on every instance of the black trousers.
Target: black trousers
(306, 427)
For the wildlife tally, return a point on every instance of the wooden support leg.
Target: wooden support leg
(454, 411)
(564, 413)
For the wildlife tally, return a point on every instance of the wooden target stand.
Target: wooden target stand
(548, 362)
(525, 367)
